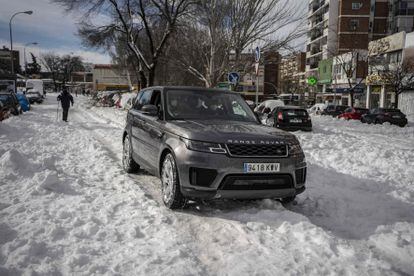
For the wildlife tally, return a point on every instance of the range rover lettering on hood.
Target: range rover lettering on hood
(253, 142)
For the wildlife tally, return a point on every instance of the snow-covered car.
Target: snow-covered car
(317, 109)
(385, 115)
(4, 111)
(266, 107)
(207, 143)
(353, 113)
(34, 96)
(11, 102)
(334, 110)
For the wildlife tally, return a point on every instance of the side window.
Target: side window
(348, 110)
(144, 99)
(156, 100)
(136, 100)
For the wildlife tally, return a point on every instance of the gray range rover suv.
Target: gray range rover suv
(207, 143)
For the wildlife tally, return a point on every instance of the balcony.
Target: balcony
(315, 5)
(315, 51)
(314, 34)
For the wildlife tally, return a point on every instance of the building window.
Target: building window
(356, 5)
(353, 24)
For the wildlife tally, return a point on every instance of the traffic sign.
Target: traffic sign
(257, 54)
(234, 78)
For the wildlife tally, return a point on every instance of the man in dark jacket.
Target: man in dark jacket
(65, 99)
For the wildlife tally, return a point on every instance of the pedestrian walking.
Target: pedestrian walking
(65, 99)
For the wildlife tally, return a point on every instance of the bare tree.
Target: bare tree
(219, 34)
(51, 62)
(400, 77)
(354, 66)
(154, 20)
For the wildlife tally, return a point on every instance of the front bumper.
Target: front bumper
(225, 166)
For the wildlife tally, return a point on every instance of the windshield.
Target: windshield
(207, 105)
(295, 112)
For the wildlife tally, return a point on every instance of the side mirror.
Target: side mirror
(150, 110)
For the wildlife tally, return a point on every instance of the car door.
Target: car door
(153, 130)
(138, 135)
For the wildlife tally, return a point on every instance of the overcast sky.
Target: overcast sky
(50, 26)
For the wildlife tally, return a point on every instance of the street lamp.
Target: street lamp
(11, 39)
(24, 55)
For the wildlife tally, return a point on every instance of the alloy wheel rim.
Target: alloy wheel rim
(167, 180)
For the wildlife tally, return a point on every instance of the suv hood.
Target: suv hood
(227, 132)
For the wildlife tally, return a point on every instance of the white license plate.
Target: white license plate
(396, 116)
(295, 121)
(261, 167)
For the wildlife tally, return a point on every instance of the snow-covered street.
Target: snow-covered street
(68, 208)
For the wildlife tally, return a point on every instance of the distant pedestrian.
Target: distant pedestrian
(65, 99)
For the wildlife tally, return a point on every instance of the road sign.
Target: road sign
(257, 54)
(312, 80)
(234, 78)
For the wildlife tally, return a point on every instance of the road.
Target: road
(67, 207)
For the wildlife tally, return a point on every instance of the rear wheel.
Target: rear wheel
(171, 193)
(128, 163)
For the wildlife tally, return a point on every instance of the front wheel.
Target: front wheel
(171, 193)
(128, 162)
(287, 200)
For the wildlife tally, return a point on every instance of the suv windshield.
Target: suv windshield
(207, 105)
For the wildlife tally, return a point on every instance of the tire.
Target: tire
(287, 200)
(128, 163)
(170, 184)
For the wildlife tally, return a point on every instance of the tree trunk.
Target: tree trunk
(143, 79)
(352, 98)
(151, 76)
(396, 99)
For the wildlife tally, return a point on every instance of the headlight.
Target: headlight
(204, 146)
(295, 149)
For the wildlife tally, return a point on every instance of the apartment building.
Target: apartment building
(401, 16)
(292, 73)
(322, 34)
(338, 26)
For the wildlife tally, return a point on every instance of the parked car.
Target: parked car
(4, 111)
(317, 108)
(353, 113)
(10, 101)
(34, 96)
(382, 115)
(334, 110)
(263, 109)
(24, 101)
(290, 118)
(207, 143)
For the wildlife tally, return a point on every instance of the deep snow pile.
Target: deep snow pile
(66, 206)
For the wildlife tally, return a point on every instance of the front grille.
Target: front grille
(258, 150)
(257, 182)
(300, 176)
(202, 177)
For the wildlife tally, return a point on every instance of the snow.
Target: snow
(67, 207)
